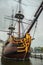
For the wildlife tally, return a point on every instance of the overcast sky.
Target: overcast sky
(28, 9)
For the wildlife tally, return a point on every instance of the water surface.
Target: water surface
(31, 61)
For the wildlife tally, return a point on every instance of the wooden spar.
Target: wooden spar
(19, 28)
(38, 9)
(36, 17)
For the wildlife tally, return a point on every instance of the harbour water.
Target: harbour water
(31, 61)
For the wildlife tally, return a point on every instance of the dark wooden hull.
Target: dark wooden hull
(11, 52)
(17, 55)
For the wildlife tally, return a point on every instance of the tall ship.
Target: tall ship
(19, 47)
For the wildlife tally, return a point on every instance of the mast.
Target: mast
(19, 16)
(37, 14)
(11, 27)
(12, 16)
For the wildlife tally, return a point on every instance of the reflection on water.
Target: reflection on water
(31, 61)
(13, 62)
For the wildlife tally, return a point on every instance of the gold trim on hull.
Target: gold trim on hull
(22, 44)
